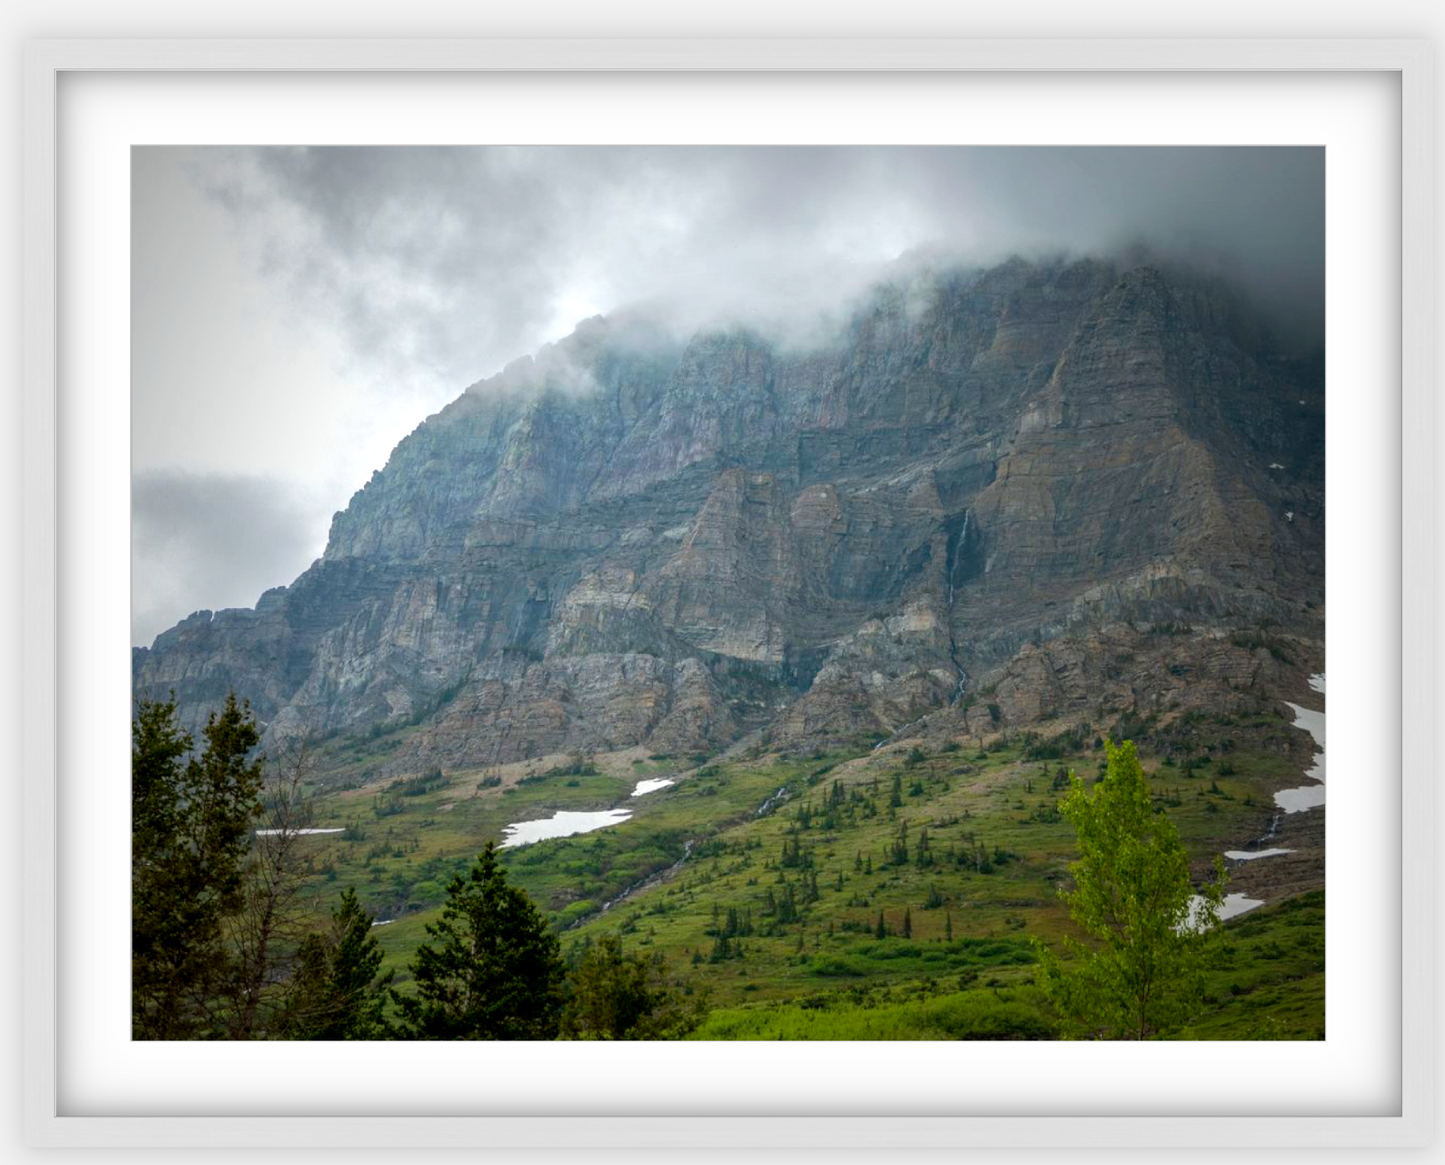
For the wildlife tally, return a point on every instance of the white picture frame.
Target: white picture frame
(46, 62)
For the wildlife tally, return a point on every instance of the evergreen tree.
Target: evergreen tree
(925, 850)
(1142, 976)
(616, 996)
(907, 923)
(334, 993)
(881, 930)
(191, 827)
(493, 972)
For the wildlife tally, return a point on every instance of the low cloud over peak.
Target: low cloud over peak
(299, 310)
(460, 258)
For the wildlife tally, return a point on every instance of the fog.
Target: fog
(297, 311)
(460, 259)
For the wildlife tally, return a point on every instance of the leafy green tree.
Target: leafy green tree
(191, 826)
(1141, 976)
(334, 992)
(494, 971)
(617, 996)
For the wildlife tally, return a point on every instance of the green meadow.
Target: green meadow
(845, 895)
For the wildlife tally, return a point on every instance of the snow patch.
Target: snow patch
(561, 824)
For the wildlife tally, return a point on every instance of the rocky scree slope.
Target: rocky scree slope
(1061, 489)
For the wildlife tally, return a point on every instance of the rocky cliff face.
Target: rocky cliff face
(990, 487)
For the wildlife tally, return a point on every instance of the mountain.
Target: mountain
(1046, 492)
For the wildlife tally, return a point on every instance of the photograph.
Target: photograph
(747, 592)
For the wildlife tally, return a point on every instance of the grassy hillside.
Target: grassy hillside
(852, 895)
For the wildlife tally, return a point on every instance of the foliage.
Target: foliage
(618, 996)
(192, 818)
(1010, 1013)
(1143, 974)
(494, 971)
(334, 993)
(997, 851)
(419, 785)
(263, 933)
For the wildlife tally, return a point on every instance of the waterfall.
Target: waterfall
(952, 577)
(953, 566)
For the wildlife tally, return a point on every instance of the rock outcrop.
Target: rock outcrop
(987, 484)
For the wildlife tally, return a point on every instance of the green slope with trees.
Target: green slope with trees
(851, 895)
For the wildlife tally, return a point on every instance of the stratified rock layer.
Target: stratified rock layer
(1060, 490)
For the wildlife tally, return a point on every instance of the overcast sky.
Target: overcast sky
(296, 312)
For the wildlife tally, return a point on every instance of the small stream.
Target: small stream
(763, 810)
(638, 887)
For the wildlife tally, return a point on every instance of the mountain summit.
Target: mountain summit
(1040, 491)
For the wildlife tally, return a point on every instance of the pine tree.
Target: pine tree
(334, 993)
(617, 996)
(907, 923)
(881, 930)
(734, 925)
(493, 971)
(948, 926)
(191, 826)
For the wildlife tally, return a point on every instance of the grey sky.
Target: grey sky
(296, 312)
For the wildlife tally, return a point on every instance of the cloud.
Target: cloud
(220, 538)
(457, 259)
(296, 311)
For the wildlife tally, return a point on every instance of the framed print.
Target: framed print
(719, 542)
